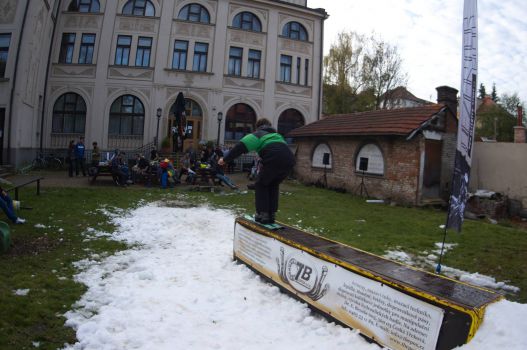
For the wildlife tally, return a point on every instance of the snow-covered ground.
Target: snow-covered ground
(178, 288)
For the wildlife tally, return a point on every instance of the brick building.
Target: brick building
(405, 155)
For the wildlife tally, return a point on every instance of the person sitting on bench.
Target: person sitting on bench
(118, 173)
(6, 203)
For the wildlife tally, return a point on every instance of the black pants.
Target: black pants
(80, 164)
(277, 163)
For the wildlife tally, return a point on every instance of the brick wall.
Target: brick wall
(401, 166)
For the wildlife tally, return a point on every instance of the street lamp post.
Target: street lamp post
(220, 117)
(158, 114)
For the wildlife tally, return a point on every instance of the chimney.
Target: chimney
(519, 130)
(447, 96)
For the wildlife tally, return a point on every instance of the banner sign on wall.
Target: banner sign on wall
(467, 118)
(388, 316)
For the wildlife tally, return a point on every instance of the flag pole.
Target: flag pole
(466, 124)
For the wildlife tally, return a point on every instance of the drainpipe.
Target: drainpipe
(11, 96)
(321, 75)
(47, 76)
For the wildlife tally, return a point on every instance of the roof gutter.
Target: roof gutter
(13, 86)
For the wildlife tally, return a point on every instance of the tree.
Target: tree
(383, 70)
(482, 92)
(496, 123)
(494, 94)
(511, 103)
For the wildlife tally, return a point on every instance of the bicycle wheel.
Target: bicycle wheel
(55, 164)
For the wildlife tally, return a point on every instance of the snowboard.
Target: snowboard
(273, 227)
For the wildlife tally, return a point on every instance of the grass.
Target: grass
(42, 258)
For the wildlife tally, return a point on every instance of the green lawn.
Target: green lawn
(41, 259)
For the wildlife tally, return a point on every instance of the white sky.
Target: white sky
(428, 36)
(176, 287)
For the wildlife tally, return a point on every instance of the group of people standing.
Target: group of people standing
(76, 157)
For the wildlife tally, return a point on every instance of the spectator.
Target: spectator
(6, 203)
(71, 157)
(218, 173)
(79, 157)
(154, 156)
(140, 168)
(95, 155)
(118, 173)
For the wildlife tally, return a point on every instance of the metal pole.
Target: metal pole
(219, 128)
(157, 134)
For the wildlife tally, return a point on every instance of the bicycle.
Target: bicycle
(49, 162)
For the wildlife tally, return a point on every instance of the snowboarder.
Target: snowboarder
(277, 163)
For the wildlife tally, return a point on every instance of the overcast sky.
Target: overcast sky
(428, 36)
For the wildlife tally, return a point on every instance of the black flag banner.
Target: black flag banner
(467, 118)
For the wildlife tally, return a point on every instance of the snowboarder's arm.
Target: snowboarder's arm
(234, 153)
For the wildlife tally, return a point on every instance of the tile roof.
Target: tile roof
(380, 122)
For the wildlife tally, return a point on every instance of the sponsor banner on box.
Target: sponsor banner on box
(383, 313)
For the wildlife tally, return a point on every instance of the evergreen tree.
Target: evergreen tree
(494, 94)
(482, 92)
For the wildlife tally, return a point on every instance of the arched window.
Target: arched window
(247, 21)
(139, 8)
(84, 6)
(240, 121)
(194, 13)
(69, 114)
(322, 155)
(370, 160)
(294, 30)
(127, 116)
(289, 119)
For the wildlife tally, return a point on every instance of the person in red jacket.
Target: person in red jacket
(277, 162)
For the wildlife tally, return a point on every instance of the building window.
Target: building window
(306, 72)
(5, 40)
(66, 48)
(85, 6)
(253, 66)
(122, 52)
(294, 30)
(69, 114)
(179, 61)
(240, 121)
(298, 70)
(247, 21)
(127, 116)
(139, 8)
(144, 47)
(194, 13)
(289, 120)
(370, 160)
(200, 57)
(285, 68)
(235, 61)
(321, 155)
(87, 46)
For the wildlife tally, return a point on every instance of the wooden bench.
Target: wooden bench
(23, 181)
(102, 170)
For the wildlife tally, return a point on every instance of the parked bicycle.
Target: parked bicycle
(47, 162)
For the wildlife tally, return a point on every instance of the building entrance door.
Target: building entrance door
(194, 116)
(432, 168)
